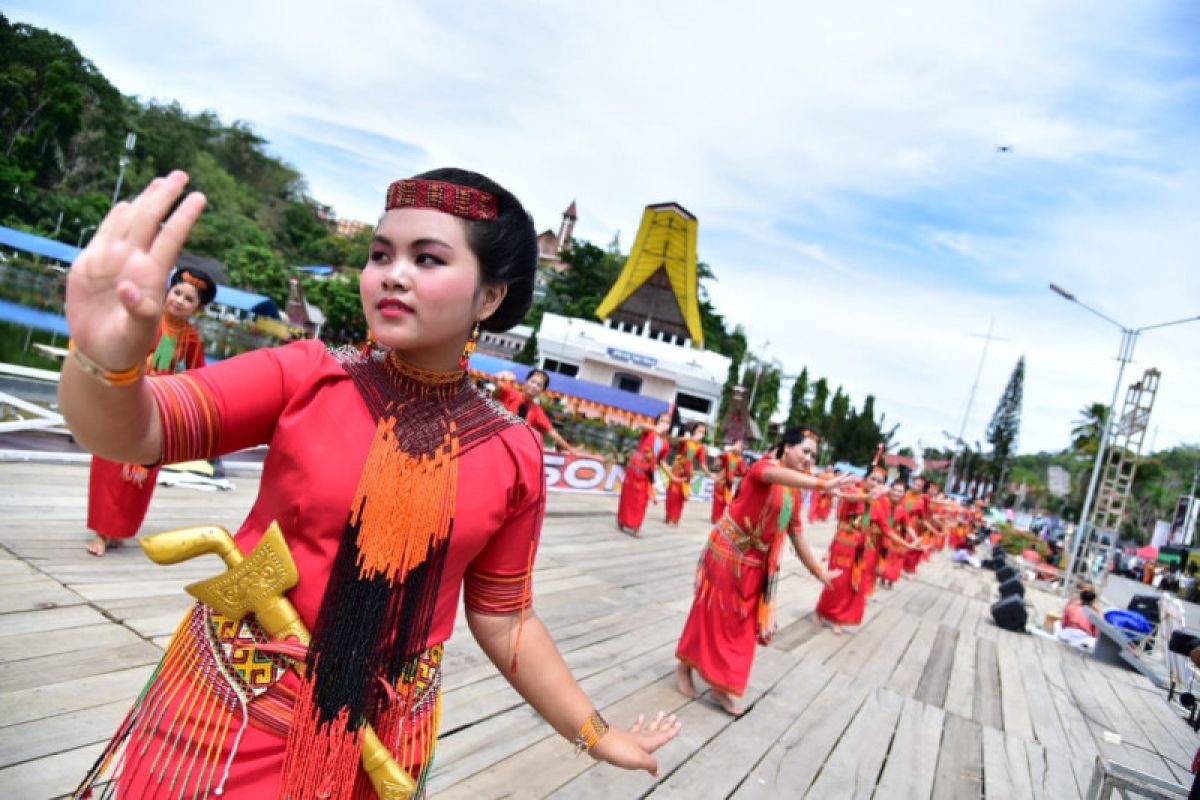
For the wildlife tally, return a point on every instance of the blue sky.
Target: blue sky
(842, 162)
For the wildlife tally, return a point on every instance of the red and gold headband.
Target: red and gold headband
(199, 283)
(449, 198)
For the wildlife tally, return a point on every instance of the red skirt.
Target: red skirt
(891, 568)
(719, 503)
(912, 559)
(118, 496)
(675, 501)
(635, 494)
(720, 635)
(845, 602)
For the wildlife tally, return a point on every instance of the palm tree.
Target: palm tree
(1085, 435)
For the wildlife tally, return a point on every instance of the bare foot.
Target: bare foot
(727, 703)
(683, 681)
(837, 630)
(97, 545)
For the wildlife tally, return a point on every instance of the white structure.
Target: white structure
(653, 364)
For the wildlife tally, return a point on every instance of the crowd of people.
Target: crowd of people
(398, 485)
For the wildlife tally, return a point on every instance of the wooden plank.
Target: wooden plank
(53, 776)
(907, 675)
(53, 642)
(44, 737)
(1050, 773)
(47, 670)
(882, 646)
(960, 690)
(935, 677)
(853, 768)
(1083, 749)
(790, 764)
(718, 768)
(1013, 704)
(1005, 765)
(988, 709)
(49, 619)
(910, 767)
(959, 772)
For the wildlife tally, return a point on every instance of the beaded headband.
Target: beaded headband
(199, 283)
(449, 198)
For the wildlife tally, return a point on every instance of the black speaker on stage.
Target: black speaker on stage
(1009, 613)
(1006, 572)
(1012, 586)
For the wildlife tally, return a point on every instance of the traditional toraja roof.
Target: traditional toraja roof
(659, 281)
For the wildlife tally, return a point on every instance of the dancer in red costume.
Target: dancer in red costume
(524, 403)
(678, 485)
(637, 488)
(695, 456)
(852, 555)
(730, 469)
(889, 520)
(398, 485)
(119, 494)
(735, 579)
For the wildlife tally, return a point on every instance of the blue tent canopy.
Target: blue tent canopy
(33, 318)
(247, 301)
(584, 390)
(322, 270)
(40, 245)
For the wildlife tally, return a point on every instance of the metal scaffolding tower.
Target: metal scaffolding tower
(1125, 440)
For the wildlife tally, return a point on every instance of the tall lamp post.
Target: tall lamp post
(1124, 356)
(130, 141)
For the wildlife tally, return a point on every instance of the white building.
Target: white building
(644, 361)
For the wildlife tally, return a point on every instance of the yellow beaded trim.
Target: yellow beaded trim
(420, 375)
(594, 727)
(125, 377)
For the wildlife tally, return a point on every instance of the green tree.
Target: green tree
(798, 412)
(1005, 428)
(529, 352)
(338, 299)
(259, 269)
(1086, 431)
(818, 415)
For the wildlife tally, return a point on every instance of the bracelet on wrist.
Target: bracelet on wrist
(125, 377)
(593, 728)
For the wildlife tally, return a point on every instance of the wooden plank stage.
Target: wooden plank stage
(928, 699)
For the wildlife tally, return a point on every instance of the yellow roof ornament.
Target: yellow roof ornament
(658, 286)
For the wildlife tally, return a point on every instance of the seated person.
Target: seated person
(1076, 627)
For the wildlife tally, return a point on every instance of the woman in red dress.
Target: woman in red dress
(735, 579)
(637, 487)
(396, 483)
(730, 469)
(678, 485)
(119, 494)
(852, 555)
(889, 521)
(524, 403)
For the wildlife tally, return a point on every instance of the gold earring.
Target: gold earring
(465, 359)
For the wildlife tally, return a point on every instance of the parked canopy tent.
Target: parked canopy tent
(247, 301)
(33, 318)
(38, 245)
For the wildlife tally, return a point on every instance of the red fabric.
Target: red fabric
(720, 634)
(1074, 616)
(888, 519)
(732, 466)
(301, 401)
(119, 494)
(675, 501)
(845, 601)
(638, 482)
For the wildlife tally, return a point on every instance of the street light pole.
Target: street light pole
(1124, 356)
(130, 141)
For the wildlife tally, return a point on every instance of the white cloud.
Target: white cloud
(841, 160)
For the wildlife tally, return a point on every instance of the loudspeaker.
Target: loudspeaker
(1006, 572)
(1009, 613)
(1147, 606)
(1012, 586)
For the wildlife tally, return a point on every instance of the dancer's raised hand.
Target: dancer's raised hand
(116, 286)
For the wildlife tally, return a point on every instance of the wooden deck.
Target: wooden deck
(927, 699)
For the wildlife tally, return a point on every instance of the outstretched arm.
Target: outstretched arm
(799, 480)
(809, 560)
(544, 680)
